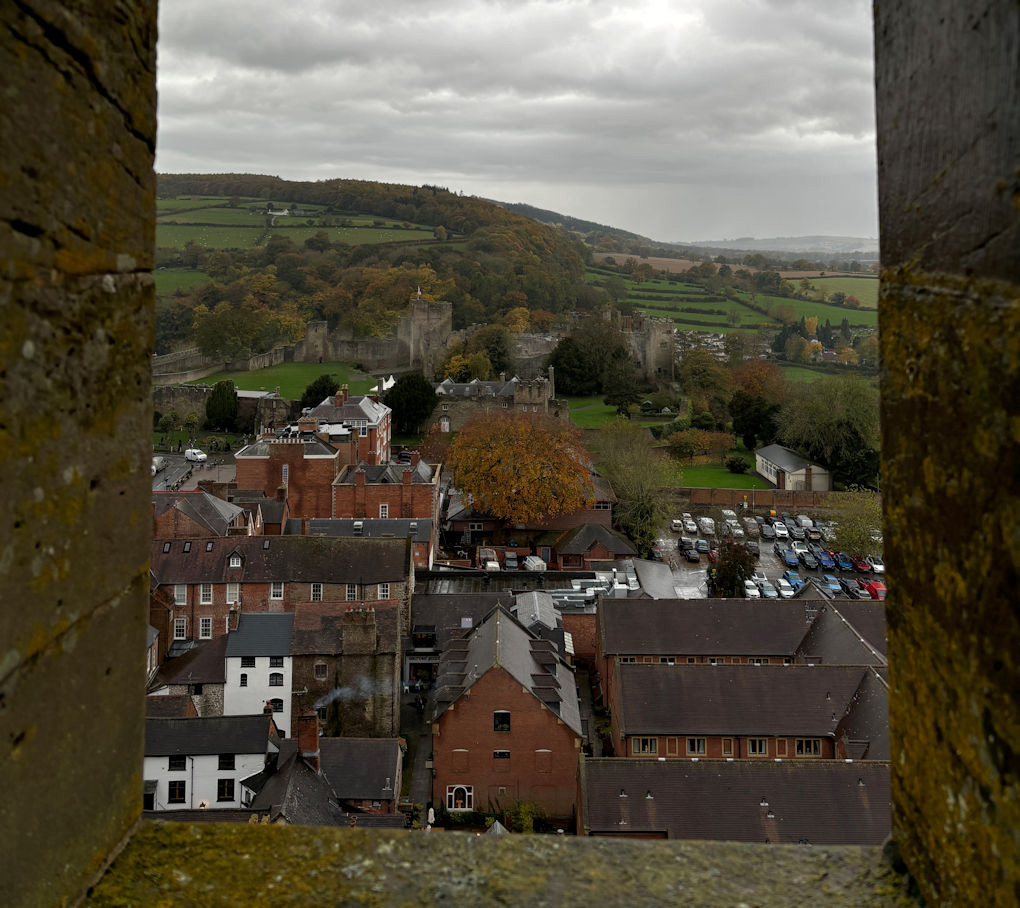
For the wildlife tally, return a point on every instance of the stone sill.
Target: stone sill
(178, 863)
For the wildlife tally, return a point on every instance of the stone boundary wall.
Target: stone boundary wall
(755, 498)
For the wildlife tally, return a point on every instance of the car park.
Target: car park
(750, 526)
(685, 543)
(676, 526)
(784, 588)
(793, 578)
(804, 521)
(751, 590)
(861, 565)
(798, 546)
(728, 515)
(877, 564)
(736, 530)
(767, 590)
(842, 560)
(796, 532)
(825, 560)
(830, 583)
(808, 560)
(875, 588)
(195, 455)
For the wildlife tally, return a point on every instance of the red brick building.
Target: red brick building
(368, 420)
(193, 515)
(388, 491)
(211, 580)
(586, 547)
(305, 466)
(742, 712)
(507, 725)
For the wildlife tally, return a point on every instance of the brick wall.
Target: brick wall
(721, 747)
(309, 480)
(582, 628)
(403, 500)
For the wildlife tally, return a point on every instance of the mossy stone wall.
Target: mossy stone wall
(77, 131)
(949, 190)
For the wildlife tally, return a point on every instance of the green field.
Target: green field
(170, 279)
(240, 217)
(175, 236)
(864, 288)
(175, 204)
(292, 378)
(242, 237)
(707, 476)
(808, 308)
(798, 374)
(590, 412)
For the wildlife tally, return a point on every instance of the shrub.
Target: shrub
(736, 464)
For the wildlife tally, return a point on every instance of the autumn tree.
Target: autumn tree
(733, 566)
(639, 477)
(412, 399)
(858, 518)
(521, 469)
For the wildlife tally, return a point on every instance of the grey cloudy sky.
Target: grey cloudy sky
(677, 119)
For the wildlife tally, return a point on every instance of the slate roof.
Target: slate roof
(578, 540)
(296, 793)
(864, 728)
(535, 608)
(313, 447)
(501, 641)
(201, 665)
(422, 473)
(702, 627)
(656, 579)
(834, 640)
(373, 527)
(359, 768)
(261, 634)
(208, 511)
(281, 558)
(252, 499)
(446, 612)
(356, 407)
(176, 706)
(734, 699)
(475, 388)
(210, 735)
(784, 458)
(821, 803)
(322, 635)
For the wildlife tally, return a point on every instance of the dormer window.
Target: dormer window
(235, 560)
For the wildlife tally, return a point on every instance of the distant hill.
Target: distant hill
(823, 245)
(578, 225)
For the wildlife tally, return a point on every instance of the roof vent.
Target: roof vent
(623, 793)
(649, 796)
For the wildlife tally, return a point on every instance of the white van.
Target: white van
(195, 455)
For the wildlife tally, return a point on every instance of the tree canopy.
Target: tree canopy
(412, 398)
(221, 407)
(317, 391)
(858, 518)
(521, 469)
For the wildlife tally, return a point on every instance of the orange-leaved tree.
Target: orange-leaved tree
(521, 468)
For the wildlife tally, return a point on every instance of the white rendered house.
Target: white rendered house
(259, 668)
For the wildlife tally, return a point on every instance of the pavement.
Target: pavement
(416, 730)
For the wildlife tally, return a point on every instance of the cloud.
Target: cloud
(735, 114)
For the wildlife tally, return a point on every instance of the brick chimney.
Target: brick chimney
(340, 398)
(359, 476)
(308, 738)
(415, 458)
(358, 632)
(267, 710)
(281, 493)
(807, 477)
(407, 476)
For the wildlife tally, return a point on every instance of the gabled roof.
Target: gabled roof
(784, 458)
(210, 735)
(864, 728)
(357, 407)
(734, 699)
(417, 528)
(265, 559)
(535, 607)
(785, 802)
(422, 473)
(295, 792)
(360, 768)
(580, 539)
(502, 642)
(169, 706)
(208, 511)
(201, 665)
(322, 635)
(834, 637)
(702, 627)
(475, 388)
(261, 634)
(454, 614)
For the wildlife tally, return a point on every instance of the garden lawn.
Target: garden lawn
(707, 476)
(292, 378)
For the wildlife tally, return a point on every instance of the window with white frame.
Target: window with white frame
(233, 592)
(180, 594)
(460, 797)
(205, 628)
(695, 747)
(276, 590)
(384, 511)
(363, 431)
(384, 591)
(352, 592)
(316, 592)
(285, 475)
(276, 679)
(235, 560)
(757, 747)
(180, 628)
(206, 594)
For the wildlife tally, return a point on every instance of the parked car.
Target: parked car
(796, 532)
(793, 578)
(707, 526)
(701, 545)
(785, 589)
(690, 526)
(753, 548)
(876, 589)
(691, 554)
(510, 561)
(804, 521)
(852, 590)
(728, 515)
(842, 560)
(750, 526)
(830, 583)
(736, 529)
(861, 565)
(751, 590)
(814, 534)
(656, 555)
(158, 464)
(877, 564)
(195, 455)
(824, 558)
(785, 555)
(685, 543)
(808, 560)
(676, 526)
(768, 591)
(767, 531)
(798, 546)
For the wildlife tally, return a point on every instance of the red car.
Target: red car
(861, 565)
(875, 588)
